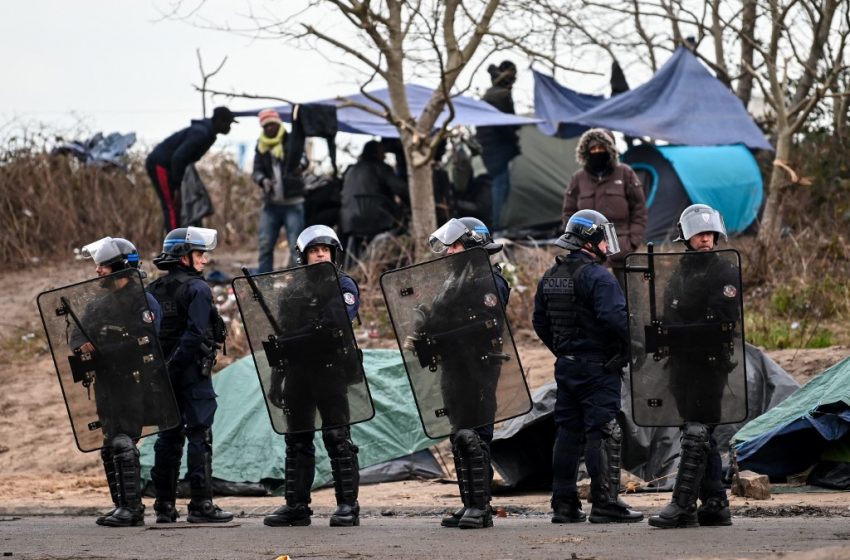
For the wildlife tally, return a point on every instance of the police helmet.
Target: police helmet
(114, 252)
(470, 231)
(317, 235)
(700, 218)
(182, 241)
(589, 226)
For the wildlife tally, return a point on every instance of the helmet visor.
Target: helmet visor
(318, 234)
(201, 239)
(446, 235)
(611, 238)
(701, 222)
(103, 251)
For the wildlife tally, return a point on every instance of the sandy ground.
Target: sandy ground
(41, 470)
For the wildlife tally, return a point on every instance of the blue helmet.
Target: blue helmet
(470, 231)
(589, 226)
(114, 252)
(182, 241)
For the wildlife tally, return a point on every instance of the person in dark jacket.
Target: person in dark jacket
(369, 189)
(464, 376)
(283, 200)
(167, 163)
(609, 187)
(191, 332)
(317, 244)
(499, 144)
(580, 315)
(704, 287)
(119, 454)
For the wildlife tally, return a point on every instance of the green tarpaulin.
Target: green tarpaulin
(246, 449)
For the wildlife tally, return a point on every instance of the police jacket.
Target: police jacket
(183, 147)
(121, 308)
(188, 315)
(579, 309)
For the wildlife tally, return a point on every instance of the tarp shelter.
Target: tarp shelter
(539, 177)
(522, 448)
(352, 119)
(805, 429)
(246, 449)
(726, 178)
(682, 104)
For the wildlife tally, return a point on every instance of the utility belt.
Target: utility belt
(614, 364)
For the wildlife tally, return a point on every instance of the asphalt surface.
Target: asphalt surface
(421, 537)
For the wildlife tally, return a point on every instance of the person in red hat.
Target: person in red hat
(283, 196)
(168, 161)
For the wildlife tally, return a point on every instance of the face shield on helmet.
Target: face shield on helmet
(700, 218)
(111, 252)
(589, 226)
(183, 241)
(317, 235)
(470, 231)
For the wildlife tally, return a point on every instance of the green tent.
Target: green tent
(246, 449)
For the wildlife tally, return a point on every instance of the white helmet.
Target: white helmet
(700, 218)
(317, 235)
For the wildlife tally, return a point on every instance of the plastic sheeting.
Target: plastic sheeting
(522, 448)
(246, 449)
(352, 119)
(682, 104)
(792, 437)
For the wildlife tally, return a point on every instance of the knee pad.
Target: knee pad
(122, 445)
(611, 430)
(200, 434)
(338, 442)
(695, 434)
(300, 445)
(466, 440)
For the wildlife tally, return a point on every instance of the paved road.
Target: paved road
(59, 537)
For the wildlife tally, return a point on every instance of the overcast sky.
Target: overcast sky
(121, 66)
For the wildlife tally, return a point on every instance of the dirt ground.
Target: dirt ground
(41, 470)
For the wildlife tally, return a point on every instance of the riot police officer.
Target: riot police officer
(470, 447)
(579, 314)
(191, 332)
(317, 244)
(119, 453)
(703, 285)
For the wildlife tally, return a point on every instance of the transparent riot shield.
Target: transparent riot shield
(460, 357)
(686, 328)
(104, 343)
(307, 359)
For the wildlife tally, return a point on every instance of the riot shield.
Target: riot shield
(686, 328)
(460, 357)
(104, 343)
(310, 368)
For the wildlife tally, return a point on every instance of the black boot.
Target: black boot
(201, 506)
(682, 509)
(111, 480)
(567, 510)
(166, 512)
(714, 509)
(165, 473)
(475, 462)
(130, 511)
(452, 521)
(607, 505)
(346, 473)
(299, 471)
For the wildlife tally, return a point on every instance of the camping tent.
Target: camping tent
(353, 119)
(682, 104)
(810, 426)
(726, 178)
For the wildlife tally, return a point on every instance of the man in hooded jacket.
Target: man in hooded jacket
(609, 187)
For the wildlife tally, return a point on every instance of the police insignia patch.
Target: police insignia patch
(730, 291)
(491, 300)
(147, 316)
(349, 298)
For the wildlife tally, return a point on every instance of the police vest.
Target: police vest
(168, 291)
(570, 317)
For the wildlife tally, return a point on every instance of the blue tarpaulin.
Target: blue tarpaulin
(726, 178)
(468, 112)
(682, 104)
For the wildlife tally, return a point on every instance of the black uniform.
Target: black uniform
(188, 340)
(580, 315)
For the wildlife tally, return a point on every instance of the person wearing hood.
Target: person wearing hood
(168, 161)
(608, 186)
(499, 144)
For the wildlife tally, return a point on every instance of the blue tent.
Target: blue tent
(557, 105)
(724, 177)
(682, 104)
(468, 112)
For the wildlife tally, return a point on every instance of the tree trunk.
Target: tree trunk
(771, 221)
(420, 185)
(748, 26)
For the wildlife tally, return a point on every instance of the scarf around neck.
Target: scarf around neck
(274, 144)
